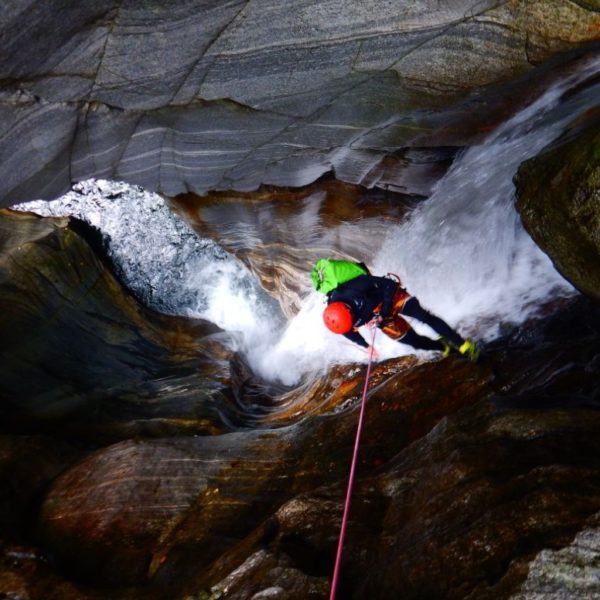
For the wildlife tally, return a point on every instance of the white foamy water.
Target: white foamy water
(165, 264)
(463, 253)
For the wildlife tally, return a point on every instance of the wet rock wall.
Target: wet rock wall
(201, 96)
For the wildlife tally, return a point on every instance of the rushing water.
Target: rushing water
(164, 263)
(463, 252)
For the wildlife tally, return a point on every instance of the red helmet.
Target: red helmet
(338, 318)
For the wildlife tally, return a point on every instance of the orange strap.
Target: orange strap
(395, 326)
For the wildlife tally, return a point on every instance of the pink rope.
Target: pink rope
(338, 558)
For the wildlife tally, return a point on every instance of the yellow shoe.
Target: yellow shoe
(447, 347)
(470, 350)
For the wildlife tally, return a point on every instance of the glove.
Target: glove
(375, 321)
(372, 352)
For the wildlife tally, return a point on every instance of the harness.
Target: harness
(394, 325)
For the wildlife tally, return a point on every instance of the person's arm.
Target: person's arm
(355, 337)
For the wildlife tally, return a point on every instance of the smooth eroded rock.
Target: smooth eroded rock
(79, 350)
(200, 96)
(559, 202)
(166, 511)
(464, 510)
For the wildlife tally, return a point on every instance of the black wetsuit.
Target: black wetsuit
(367, 292)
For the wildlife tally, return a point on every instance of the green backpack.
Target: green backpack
(327, 273)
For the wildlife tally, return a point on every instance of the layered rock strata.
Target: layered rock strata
(197, 96)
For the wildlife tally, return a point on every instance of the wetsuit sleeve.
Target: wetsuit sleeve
(388, 288)
(355, 337)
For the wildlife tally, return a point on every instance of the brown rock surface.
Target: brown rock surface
(466, 471)
(182, 503)
(328, 218)
(462, 511)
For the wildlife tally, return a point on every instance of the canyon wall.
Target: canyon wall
(198, 96)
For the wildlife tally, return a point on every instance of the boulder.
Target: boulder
(264, 576)
(79, 351)
(570, 572)
(109, 510)
(558, 197)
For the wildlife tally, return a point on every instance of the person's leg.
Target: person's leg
(398, 329)
(420, 342)
(412, 308)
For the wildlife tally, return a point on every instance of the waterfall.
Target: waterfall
(463, 253)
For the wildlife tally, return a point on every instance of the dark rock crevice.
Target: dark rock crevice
(111, 26)
(212, 42)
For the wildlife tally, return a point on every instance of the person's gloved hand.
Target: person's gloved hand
(373, 353)
(375, 321)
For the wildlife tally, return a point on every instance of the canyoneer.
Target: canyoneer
(356, 298)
